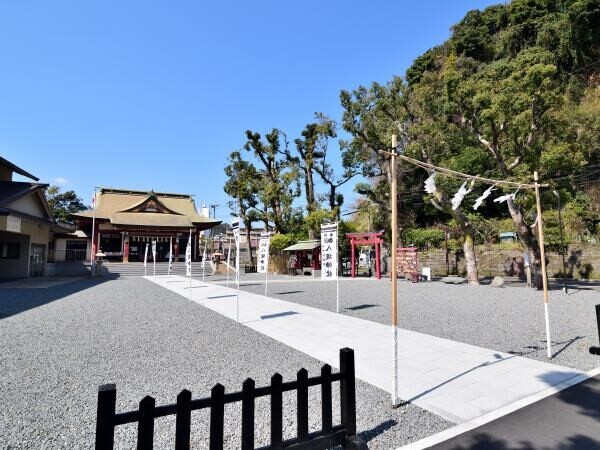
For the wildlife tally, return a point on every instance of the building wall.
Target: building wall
(15, 268)
(30, 233)
(29, 205)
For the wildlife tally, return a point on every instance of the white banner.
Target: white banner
(146, 256)
(235, 225)
(154, 250)
(329, 252)
(188, 257)
(263, 253)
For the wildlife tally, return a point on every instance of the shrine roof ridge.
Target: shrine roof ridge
(105, 190)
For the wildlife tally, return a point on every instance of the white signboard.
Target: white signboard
(13, 224)
(263, 253)
(329, 252)
(188, 258)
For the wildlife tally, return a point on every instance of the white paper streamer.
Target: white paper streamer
(460, 195)
(504, 198)
(485, 195)
(430, 184)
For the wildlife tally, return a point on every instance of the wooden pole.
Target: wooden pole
(394, 228)
(540, 227)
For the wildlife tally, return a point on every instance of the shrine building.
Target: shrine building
(126, 221)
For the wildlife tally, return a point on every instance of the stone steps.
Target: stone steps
(137, 269)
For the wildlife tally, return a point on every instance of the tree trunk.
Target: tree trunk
(332, 189)
(265, 218)
(468, 246)
(526, 235)
(470, 260)
(248, 225)
(309, 186)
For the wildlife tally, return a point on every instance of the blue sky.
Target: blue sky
(155, 95)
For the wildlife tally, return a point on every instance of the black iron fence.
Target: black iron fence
(250, 269)
(329, 436)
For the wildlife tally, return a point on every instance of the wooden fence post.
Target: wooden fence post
(146, 424)
(276, 411)
(183, 420)
(105, 417)
(302, 405)
(347, 391)
(217, 416)
(248, 415)
(595, 349)
(326, 419)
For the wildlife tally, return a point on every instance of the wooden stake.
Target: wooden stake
(394, 274)
(540, 227)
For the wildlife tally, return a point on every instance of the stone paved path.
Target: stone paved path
(455, 380)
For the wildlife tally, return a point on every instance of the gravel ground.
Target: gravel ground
(508, 319)
(59, 344)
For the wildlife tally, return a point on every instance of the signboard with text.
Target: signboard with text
(329, 252)
(263, 253)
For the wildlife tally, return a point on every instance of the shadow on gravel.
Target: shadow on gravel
(372, 433)
(288, 292)
(15, 301)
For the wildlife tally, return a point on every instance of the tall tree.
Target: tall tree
(63, 204)
(351, 165)
(371, 116)
(241, 186)
(279, 181)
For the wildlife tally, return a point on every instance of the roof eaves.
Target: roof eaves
(16, 169)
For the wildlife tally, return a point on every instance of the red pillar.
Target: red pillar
(126, 249)
(352, 259)
(96, 243)
(377, 259)
(198, 251)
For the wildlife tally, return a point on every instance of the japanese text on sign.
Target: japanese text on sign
(263, 253)
(329, 252)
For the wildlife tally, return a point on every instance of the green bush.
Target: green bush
(281, 241)
(423, 238)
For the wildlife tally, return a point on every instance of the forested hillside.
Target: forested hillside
(515, 89)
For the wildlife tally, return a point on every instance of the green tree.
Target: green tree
(241, 186)
(278, 176)
(63, 204)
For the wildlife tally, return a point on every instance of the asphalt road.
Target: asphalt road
(568, 420)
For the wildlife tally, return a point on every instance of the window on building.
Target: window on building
(9, 250)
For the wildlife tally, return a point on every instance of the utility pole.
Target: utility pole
(540, 227)
(393, 154)
(394, 205)
(214, 207)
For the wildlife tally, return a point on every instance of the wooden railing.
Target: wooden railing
(330, 435)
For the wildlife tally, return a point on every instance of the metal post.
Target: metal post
(540, 225)
(394, 226)
(337, 276)
(92, 256)
(228, 260)
(562, 242)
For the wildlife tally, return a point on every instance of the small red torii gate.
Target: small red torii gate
(369, 238)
